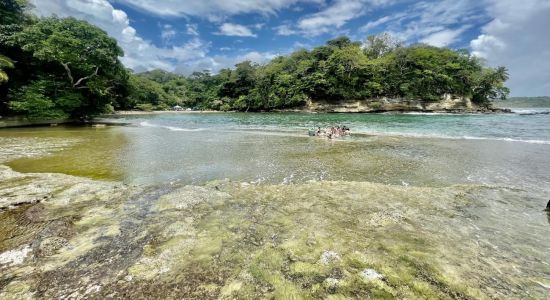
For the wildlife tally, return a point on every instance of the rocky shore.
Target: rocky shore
(70, 237)
(446, 105)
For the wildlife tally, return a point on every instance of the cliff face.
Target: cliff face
(446, 104)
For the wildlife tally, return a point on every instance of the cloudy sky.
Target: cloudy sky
(188, 35)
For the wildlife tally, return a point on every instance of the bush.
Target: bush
(145, 106)
(162, 106)
(375, 105)
(108, 109)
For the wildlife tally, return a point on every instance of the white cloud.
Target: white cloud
(381, 21)
(218, 62)
(517, 38)
(444, 37)
(285, 29)
(192, 29)
(374, 24)
(334, 16)
(438, 23)
(231, 29)
(140, 54)
(213, 9)
(167, 33)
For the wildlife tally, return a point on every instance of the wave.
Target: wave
(171, 128)
(449, 137)
(429, 113)
(530, 112)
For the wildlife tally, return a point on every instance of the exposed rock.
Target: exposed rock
(49, 246)
(371, 274)
(384, 217)
(329, 257)
(14, 257)
(448, 103)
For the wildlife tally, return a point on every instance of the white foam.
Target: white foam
(430, 113)
(171, 128)
(442, 136)
(532, 111)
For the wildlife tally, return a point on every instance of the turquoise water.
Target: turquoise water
(528, 125)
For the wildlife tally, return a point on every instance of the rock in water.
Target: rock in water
(547, 206)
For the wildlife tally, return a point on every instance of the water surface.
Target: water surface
(248, 205)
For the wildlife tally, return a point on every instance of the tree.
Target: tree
(377, 46)
(5, 63)
(79, 58)
(489, 85)
(12, 11)
(345, 67)
(142, 90)
(83, 50)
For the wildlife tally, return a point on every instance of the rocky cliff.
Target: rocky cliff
(446, 104)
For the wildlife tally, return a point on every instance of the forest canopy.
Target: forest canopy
(67, 68)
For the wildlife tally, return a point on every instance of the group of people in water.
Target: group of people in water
(332, 132)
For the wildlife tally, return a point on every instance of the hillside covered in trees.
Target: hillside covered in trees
(67, 68)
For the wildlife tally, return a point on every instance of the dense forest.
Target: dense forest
(67, 68)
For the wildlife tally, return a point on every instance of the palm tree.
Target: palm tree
(5, 62)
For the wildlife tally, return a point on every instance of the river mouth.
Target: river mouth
(379, 217)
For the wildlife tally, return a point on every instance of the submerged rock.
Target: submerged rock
(49, 246)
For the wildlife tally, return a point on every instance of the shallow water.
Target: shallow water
(249, 206)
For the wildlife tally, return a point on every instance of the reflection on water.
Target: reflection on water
(79, 151)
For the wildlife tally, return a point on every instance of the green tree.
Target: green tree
(5, 63)
(377, 46)
(83, 50)
(489, 85)
(79, 58)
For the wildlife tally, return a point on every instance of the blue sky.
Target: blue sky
(189, 35)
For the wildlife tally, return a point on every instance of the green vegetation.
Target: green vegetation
(67, 68)
(525, 102)
(63, 68)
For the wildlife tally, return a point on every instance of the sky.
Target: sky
(184, 36)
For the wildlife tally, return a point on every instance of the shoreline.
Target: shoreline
(308, 111)
(155, 112)
(17, 122)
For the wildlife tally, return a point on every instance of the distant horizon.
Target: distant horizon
(528, 97)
